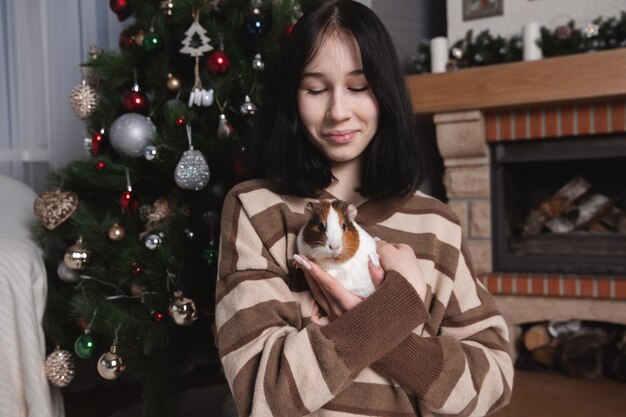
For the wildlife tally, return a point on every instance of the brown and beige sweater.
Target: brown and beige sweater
(391, 355)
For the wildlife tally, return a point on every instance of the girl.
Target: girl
(337, 123)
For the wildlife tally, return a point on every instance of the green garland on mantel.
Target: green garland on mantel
(485, 49)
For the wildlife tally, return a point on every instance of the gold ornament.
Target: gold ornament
(60, 367)
(117, 233)
(137, 289)
(139, 38)
(111, 365)
(167, 7)
(155, 216)
(76, 257)
(173, 83)
(54, 207)
(182, 309)
(83, 99)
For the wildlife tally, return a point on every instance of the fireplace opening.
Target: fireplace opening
(558, 205)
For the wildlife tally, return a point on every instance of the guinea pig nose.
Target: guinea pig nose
(333, 246)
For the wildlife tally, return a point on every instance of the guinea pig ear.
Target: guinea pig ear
(309, 210)
(351, 212)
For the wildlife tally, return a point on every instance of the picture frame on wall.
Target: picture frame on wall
(477, 9)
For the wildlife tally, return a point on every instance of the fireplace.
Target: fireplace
(525, 175)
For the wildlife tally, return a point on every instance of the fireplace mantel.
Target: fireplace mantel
(587, 76)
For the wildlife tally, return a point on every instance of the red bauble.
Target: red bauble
(158, 316)
(97, 142)
(288, 30)
(121, 8)
(100, 166)
(126, 39)
(129, 202)
(218, 63)
(136, 102)
(136, 269)
(180, 121)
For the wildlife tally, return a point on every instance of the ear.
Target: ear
(309, 210)
(351, 212)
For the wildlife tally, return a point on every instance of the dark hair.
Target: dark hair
(392, 162)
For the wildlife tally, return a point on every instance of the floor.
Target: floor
(551, 394)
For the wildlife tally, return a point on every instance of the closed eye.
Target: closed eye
(315, 92)
(359, 90)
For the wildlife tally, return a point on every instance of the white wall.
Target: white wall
(550, 13)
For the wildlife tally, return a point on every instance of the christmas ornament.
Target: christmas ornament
(157, 316)
(117, 232)
(94, 52)
(135, 101)
(201, 97)
(60, 368)
(67, 275)
(180, 121)
(151, 153)
(196, 43)
(192, 171)
(126, 39)
(85, 345)
(151, 41)
(173, 83)
(182, 309)
(54, 207)
(255, 24)
(111, 365)
(224, 128)
(189, 234)
(127, 199)
(136, 269)
(563, 32)
(591, 30)
(77, 256)
(131, 133)
(257, 63)
(100, 165)
(97, 142)
(139, 38)
(137, 290)
(247, 108)
(153, 241)
(288, 30)
(121, 8)
(210, 256)
(167, 7)
(155, 216)
(218, 63)
(83, 99)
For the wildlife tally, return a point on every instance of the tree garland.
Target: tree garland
(485, 49)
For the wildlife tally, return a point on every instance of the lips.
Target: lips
(340, 136)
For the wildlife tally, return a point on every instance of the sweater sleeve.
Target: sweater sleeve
(273, 363)
(465, 369)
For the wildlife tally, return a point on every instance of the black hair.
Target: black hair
(393, 162)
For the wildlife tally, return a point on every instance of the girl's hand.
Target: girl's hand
(332, 298)
(401, 258)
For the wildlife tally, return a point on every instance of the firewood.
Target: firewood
(581, 354)
(615, 357)
(578, 217)
(536, 337)
(555, 205)
(546, 355)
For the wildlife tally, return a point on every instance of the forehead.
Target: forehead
(337, 52)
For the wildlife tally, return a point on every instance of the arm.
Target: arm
(466, 368)
(274, 364)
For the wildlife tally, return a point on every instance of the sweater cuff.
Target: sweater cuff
(377, 324)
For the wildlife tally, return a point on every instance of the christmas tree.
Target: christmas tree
(131, 231)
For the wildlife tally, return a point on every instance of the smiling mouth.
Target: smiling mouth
(343, 136)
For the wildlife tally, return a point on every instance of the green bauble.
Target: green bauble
(84, 346)
(210, 256)
(151, 41)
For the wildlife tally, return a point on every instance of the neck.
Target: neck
(348, 177)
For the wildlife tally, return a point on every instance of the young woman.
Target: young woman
(337, 123)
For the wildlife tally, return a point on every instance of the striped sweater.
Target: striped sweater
(391, 355)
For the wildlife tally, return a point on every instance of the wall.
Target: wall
(550, 13)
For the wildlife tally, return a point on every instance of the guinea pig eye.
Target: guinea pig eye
(343, 227)
(321, 227)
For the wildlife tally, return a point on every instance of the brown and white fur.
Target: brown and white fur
(333, 240)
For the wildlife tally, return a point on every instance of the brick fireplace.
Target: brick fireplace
(578, 96)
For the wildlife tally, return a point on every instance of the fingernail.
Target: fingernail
(374, 260)
(302, 262)
(376, 238)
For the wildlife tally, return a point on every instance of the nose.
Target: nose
(338, 106)
(334, 246)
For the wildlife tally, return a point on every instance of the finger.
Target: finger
(320, 320)
(377, 273)
(317, 292)
(326, 281)
(380, 243)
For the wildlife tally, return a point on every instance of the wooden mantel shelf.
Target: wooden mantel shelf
(584, 76)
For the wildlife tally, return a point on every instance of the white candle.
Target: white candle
(438, 54)
(532, 33)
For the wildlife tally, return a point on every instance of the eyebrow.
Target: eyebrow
(320, 75)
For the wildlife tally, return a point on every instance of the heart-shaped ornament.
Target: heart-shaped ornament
(54, 207)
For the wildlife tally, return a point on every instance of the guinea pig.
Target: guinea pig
(333, 240)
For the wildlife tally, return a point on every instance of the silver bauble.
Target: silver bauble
(153, 241)
(77, 257)
(60, 368)
(67, 275)
(192, 171)
(247, 108)
(131, 133)
(150, 153)
(111, 365)
(257, 63)
(182, 309)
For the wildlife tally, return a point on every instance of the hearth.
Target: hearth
(526, 173)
